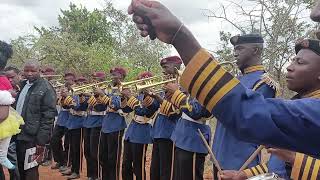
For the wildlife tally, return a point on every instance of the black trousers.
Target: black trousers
(161, 163)
(110, 148)
(75, 145)
(91, 146)
(30, 174)
(12, 156)
(188, 165)
(133, 161)
(59, 154)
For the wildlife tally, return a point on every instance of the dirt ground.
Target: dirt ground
(47, 174)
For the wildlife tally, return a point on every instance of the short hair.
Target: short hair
(5, 53)
(12, 68)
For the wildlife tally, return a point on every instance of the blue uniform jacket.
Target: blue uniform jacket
(93, 121)
(225, 142)
(114, 120)
(186, 135)
(165, 121)
(137, 132)
(63, 115)
(289, 124)
(76, 122)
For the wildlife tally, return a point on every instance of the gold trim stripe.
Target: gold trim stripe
(307, 168)
(297, 166)
(198, 60)
(202, 77)
(315, 170)
(223, 91)
(253, 69)
(211, 84)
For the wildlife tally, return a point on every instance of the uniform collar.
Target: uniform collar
(314, 94)
(253, 69)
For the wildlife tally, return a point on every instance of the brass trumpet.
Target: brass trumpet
(88, 88)
(230, 66)
(51, 76)
(157, 86)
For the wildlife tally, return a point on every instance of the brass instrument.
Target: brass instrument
(157, 86)
(229, 66)
(130, 83)
(51, 76)
(89, 88)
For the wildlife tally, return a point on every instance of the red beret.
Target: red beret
(171, 59)
(144, 75)
(81, 79)
(119, 70)
(49, 69)
(99, 74)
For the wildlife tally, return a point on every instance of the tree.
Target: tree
(280, 22)
(85, 41)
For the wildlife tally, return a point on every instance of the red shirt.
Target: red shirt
(5, 83)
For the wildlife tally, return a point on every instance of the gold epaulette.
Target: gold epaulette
(267, 79)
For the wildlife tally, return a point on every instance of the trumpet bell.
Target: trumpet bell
(158, 86)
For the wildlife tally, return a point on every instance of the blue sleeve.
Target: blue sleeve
(80, 106)
(266, 91)
(290, 124)
(278, 166)
(115, 103)
(148, 111)
(197, 111)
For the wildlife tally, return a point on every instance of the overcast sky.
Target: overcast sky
(19, 16)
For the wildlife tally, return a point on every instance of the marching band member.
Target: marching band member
(165, 122)
(113, 126)
(78, 113)
(92, 127)
(281, 121)
(190, 151)
(248, 54)
(138, 134)
(61, 151)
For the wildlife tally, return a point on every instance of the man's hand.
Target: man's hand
(163, 22)
(285, 155)
(38, 156)
(153, 17)
(232, 175)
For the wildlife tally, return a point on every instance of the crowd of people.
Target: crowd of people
(83, 118)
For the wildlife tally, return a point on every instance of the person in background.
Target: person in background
(14, 76)
(138, 134)
(36, 103)
(7, 99)
(92, 128)
(113, 126)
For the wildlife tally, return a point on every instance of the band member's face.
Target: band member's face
(315, 12)
(242, 53)
(169, 68)
(13, 77)
(99, 79)
(304, 72)
(116, 78)
(69, 81)
(31, 72)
